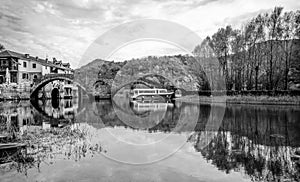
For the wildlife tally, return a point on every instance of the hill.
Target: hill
(182, 71)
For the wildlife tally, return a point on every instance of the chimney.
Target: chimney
(27, 55)
(54, 60)
(36, 57)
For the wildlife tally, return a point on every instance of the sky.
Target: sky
(66, 28)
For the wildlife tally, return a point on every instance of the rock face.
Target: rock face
(100, 76)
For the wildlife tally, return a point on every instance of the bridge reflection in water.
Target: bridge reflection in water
(258, 141)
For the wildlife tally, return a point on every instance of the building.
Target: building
(19, 68)
(19, 72)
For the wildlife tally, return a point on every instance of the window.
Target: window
(33, 65)
(3, 62)
(24, 76)
(2, 79)
(24, 64)
(147, 91)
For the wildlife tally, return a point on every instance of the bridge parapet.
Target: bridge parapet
(47, 76)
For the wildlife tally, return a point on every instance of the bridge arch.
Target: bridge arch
(100, 82)
(46, 80)
(102, 88)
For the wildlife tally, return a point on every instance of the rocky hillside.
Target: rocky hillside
(183, 71)
(87, 75)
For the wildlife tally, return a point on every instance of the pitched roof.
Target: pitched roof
(9, 53)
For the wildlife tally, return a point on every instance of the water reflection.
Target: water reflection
(259, 141)
(145, 106)
(58, 108)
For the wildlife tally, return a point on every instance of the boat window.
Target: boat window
(147, 91)
(153, 91)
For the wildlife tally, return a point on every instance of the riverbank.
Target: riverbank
(14, 92)
(255, 100)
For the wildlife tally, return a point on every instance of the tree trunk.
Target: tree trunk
(286, 70)
(287, 63)
(271, 67)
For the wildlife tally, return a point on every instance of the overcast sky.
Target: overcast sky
(65, 28)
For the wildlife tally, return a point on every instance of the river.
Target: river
(119, 140)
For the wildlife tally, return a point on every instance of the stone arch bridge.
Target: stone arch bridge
(39, 84)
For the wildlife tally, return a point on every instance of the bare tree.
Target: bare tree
(2, 48)
(274, 33)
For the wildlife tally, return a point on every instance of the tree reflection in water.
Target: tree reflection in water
(230, 152)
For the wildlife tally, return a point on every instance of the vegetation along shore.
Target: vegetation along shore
(255, 100)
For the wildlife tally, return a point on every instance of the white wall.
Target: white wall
(38, 70)
(45, 70)
(29, 67)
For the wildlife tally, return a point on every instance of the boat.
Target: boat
(11, 146)
(9, 149)
(142, 93)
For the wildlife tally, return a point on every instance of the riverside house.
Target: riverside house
(19, 72)
(19, 68)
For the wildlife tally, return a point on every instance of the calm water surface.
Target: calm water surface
(71, 140)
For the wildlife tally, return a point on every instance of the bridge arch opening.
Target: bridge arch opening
(55, 98)
(55, 93)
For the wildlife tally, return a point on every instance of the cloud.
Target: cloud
(64, 29)
(145, 48)
(176, 6)
(243, 18)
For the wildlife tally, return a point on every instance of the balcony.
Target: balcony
(11, 68)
